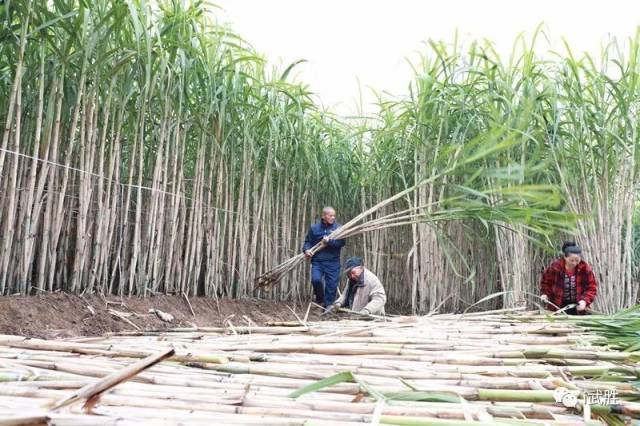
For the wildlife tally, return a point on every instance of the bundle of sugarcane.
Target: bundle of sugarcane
(271, 277)
(620, 330)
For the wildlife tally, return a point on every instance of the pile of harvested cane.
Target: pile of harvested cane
(506, 367)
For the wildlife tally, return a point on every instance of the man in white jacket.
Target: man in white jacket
(364, 292)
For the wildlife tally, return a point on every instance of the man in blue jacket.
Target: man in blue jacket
(326, 262)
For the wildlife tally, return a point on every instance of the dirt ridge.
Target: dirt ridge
(61, 315)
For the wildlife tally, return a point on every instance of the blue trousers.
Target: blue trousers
(330, 271)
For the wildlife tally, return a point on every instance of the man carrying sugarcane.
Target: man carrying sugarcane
(364, 292)
(326, 262)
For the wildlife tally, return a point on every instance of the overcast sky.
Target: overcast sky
(353, 44)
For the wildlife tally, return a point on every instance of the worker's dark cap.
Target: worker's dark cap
(575, 249)
(352, 262)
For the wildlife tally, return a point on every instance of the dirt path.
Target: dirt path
(61, 315)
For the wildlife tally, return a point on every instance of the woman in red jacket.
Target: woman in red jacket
(569, 281)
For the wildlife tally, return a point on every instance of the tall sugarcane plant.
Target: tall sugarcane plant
(145, 153)
(146, 149)
(593, 139)
(460, 94)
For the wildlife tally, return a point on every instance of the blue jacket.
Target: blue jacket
(316, 232)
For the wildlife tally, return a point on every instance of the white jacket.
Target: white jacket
(370, 296)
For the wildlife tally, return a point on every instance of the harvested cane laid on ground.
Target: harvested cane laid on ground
(503, 367)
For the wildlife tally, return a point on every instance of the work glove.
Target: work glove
(582, 305)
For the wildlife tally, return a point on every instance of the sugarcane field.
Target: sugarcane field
(287, 212)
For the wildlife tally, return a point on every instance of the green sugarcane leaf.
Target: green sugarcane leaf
(344, 377)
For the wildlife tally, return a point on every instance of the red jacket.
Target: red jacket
(552, 283)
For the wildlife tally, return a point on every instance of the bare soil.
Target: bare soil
(60, 315)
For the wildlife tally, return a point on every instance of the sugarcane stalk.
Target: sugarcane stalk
(95, 389)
